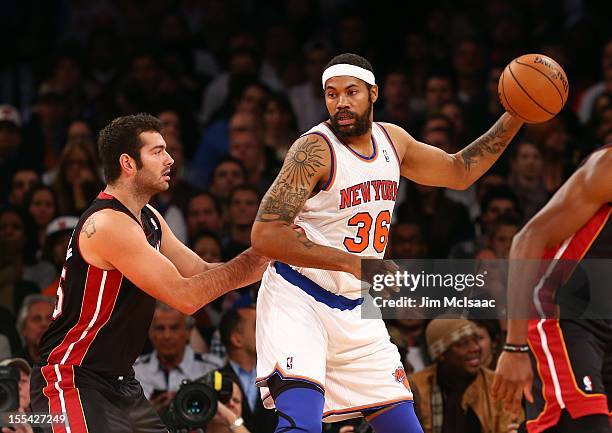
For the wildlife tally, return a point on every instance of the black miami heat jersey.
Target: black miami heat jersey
(101, 319)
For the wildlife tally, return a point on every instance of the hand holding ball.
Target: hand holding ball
(533, 88)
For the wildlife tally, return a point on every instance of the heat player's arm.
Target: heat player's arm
(306, 166)
(429, 165)
(189, 263)
(589, 188)
(113, 240)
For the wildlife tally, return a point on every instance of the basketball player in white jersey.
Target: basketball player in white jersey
(316, 358)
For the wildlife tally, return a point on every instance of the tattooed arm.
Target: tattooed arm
(429, 165)
(113, 240)
(306, 167)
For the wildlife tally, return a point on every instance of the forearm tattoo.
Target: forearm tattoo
(293, 185)
(492, 142)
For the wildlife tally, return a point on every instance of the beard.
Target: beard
(361, 125)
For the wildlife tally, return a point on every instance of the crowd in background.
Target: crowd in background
(234, 84)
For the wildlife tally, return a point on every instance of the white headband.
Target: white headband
(349, 70)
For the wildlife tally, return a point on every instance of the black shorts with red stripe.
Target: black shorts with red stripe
(92, 403)
(573, 361)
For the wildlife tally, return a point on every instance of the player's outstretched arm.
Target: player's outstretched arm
(306, 166)
(112, 240)
(429, 165)
(569, 209)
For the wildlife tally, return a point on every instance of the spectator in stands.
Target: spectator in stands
(396, 100)
(41, 204)
(228, 418)
(489, 333)
(203, 213)
(438, 91)
(242, 210)
(237, 331)
(55, 248)
(77, 181)
(32, 321)
(526, 178)
(279, 125)
(228, 174)
(10, 145)
(498, 200)
(501, 233)
(161, 372)
(23, 180)
(453, 394)
(407, 238)
(261, 167)
(307, 98)
(17, 251)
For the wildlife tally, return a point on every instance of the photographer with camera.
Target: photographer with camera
(237, 329)
(14, 370)
(228, 418)
(161, 372)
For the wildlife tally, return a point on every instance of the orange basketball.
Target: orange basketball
(533, 87)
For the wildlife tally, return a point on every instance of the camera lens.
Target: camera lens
(193, 405)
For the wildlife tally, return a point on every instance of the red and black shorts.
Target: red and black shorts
(92, 403)
(573, 374)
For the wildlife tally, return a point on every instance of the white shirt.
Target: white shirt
(152, 376)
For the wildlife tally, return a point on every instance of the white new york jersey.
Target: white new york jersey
(353, 211)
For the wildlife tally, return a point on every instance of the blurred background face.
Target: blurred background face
(275, 118)
(171, 124)
(247, 148)
(438, 90)
(396, 90)
(496, 207)
(23, 181)
(252, 100)
(80, 132)
(77, 163)
(243, 207)
(235, 403)
(42, 207)
(227, 176)
(439, 139)
(59, 248)
(36, 323)
(10, 138)
(208, 249)
(12, 232)
(202, 214)
(528, 162)
(501, 240)
(407, 241)
(169, 333)
(246, 330)
(484, 341)
(463, 357)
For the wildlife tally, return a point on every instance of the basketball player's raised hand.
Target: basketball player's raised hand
(513, 378)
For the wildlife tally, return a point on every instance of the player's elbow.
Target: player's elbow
(261, 236)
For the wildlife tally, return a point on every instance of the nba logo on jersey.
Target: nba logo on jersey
(386, 155)
(154, 224)
(399, 375)
(588, 384)
(289, 362)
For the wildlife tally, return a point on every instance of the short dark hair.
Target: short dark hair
(229, 324)
(205, 193)
(499, 192)
(121, 136)
(350, 59)
(249, 188)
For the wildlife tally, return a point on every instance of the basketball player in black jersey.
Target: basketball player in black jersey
(122, 256)
(572, 377)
